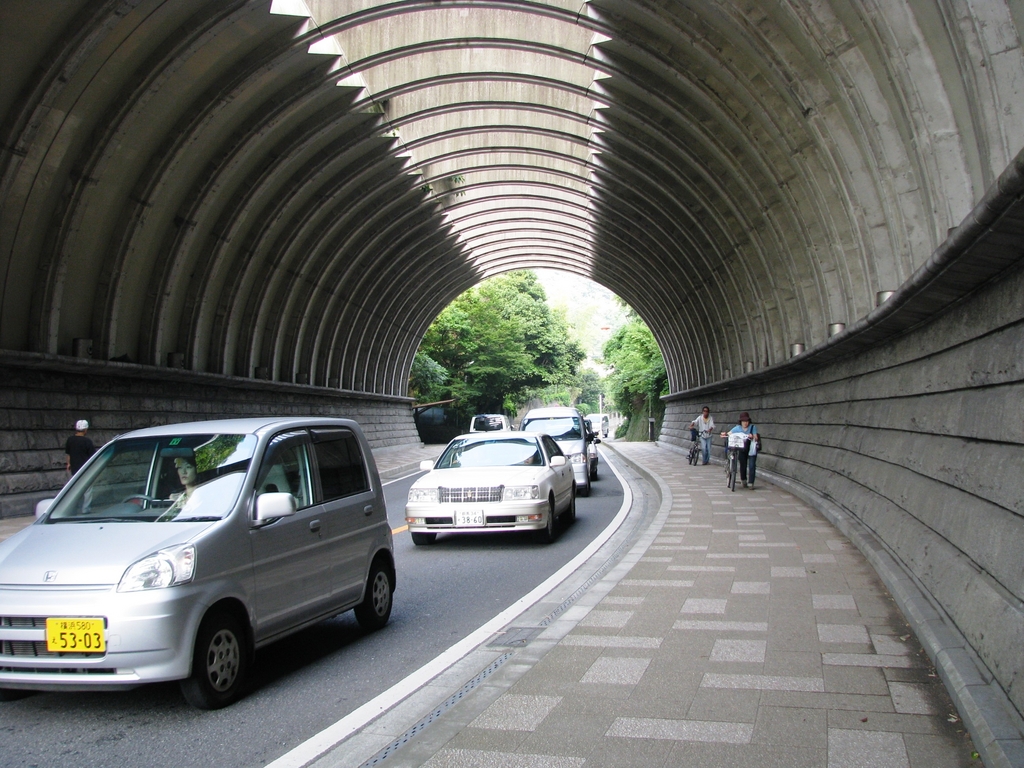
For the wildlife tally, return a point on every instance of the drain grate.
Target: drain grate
(515, 637)
(436, 712)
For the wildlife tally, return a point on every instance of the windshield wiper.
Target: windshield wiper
(210, 519)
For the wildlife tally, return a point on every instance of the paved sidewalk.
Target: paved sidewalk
(741, 630)
(401, 460)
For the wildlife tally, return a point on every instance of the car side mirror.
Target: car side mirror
(42, 507)
(557, 461)
(597, 440)
(271, 506)
(426, 466)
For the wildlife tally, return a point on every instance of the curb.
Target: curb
(399, 471)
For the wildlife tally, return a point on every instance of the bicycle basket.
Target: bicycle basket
(737, 439)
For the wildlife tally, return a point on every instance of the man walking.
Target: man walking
(78, 448)
(704, 425)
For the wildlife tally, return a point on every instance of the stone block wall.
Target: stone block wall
(921, 439)
(42, 396)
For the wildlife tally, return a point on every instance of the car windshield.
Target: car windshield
(159, 479)
(490, 453)
(559, 427)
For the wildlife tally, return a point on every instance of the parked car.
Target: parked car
(569, 430)
(489, 422)
(177, 551)
(493, 482)
(599, 423)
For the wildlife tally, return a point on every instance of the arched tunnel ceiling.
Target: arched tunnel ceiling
(294, 190)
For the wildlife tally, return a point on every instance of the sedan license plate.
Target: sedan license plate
(75, 635)
(469, 517)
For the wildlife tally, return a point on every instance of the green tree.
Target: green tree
(496, 342)
(638, 379)
(591, 388)
(426, 378)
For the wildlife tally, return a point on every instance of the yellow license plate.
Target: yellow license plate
(75, 636)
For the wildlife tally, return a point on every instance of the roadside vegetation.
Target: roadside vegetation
(500, 347)
(495, 346)
(638, 378)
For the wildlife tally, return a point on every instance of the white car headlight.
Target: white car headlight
(166, 568)
(578, 458)
(423, 496)
(519, 492)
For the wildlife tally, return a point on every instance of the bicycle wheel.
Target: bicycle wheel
(734, 467)
(728, 469)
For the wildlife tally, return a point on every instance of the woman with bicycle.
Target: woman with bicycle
(748, 453)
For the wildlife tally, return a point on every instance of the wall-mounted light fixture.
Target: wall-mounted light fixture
(81, 347)
(796, 349)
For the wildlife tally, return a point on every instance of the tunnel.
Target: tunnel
(212, 208)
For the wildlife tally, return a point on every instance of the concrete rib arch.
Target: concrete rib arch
(263, 195)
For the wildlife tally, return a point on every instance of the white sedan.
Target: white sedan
(493, 481)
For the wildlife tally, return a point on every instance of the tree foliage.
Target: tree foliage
(427, 376)
(591, 389)
(493, 344)
(638, 379)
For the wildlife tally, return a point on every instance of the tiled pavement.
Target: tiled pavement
(744, 630)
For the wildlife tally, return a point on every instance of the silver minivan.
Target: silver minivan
(568, 428)
(177, 551)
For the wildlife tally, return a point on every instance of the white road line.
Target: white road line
(334, 734)
(403, 477)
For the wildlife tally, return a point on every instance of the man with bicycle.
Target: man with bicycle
(748, 453)
(703, 425)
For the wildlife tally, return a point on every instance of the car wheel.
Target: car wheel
(375, 610)
(570, 513)
(585, 490)
(546, 535)
(219, 663)
(593, 472)
(420, 539)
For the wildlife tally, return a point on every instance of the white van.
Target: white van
(177, 551)
(569, 430)
(489, 422)
(599, 423)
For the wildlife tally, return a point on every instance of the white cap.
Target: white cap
(81, 425)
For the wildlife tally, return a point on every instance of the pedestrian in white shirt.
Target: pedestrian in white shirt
(704, 425)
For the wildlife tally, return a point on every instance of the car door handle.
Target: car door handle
(314, 526)
(368, 509)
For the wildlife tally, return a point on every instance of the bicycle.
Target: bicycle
(732, 464)
(694, 452)
(695, 449)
